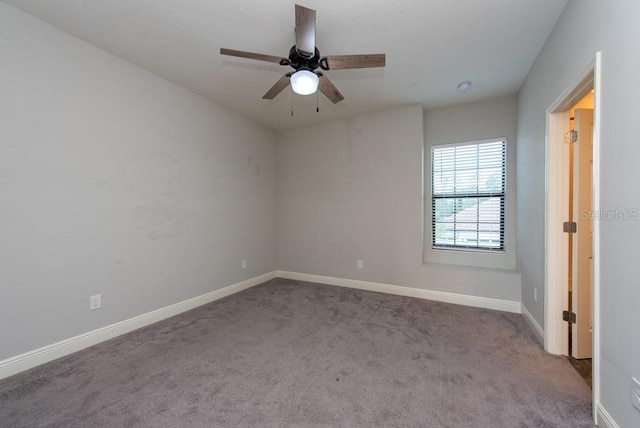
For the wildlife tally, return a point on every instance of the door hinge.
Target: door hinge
(570, 226)
(569, 316)
(571, 137)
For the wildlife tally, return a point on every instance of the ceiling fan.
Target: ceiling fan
(305, 59)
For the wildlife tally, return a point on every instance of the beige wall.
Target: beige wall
(117, 182)
(588, 101)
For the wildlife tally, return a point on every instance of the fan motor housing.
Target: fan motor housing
(299, 62)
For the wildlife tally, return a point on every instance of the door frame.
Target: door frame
(556, 211)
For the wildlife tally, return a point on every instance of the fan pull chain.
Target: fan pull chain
(317, 106)
(291, 103)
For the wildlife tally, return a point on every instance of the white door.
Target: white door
(582, 247)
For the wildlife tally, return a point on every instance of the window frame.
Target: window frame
(492, 260)
(456, 197)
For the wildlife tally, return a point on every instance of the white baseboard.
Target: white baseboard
(539, 331)
(603, 418)
(30, 359)
(22, 362)
(440, 296)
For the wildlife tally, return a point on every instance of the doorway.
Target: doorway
(580, 234)
(557, 209)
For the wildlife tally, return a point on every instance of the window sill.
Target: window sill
(501, 260)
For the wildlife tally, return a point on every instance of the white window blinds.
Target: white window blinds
(468, 195)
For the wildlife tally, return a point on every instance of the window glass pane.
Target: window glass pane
(468, 187)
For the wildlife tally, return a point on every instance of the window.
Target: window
(468, 196)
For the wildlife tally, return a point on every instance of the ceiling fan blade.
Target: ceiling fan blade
(277, 88)
(251, 55)
(305, 31)
(330, 91)
(340, 62)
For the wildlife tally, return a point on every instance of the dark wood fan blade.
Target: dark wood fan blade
(340, 62)
(305, 31)
(277, 88)
(330, 91)
(251, 55)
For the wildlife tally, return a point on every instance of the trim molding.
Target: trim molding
(30, 359)
(555, 245)
(439, 296)
(603, 418)
(539, 331)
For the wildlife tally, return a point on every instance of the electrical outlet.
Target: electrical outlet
(535, 294)
(360, 264)
(635, 393)
(95, 302)
(244, 264)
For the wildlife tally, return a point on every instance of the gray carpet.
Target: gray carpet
(295, 354)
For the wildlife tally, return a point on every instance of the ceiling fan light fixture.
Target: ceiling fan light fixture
(304, 57)
(304, 82)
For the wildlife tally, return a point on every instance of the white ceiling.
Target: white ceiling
(431, 46)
